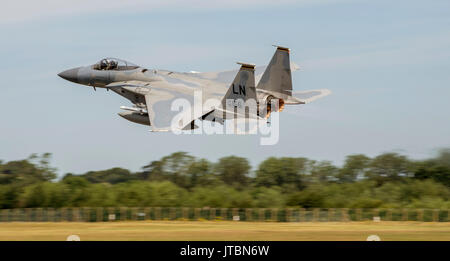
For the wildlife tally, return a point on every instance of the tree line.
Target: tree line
(389, 180)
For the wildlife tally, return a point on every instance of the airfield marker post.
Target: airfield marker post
(99, 214)
(404, 214)
(87, 214)
(122, 214)
(435, 215)
(59, 214)
(249, 214)
(315, 215)
(51, 214)
(420, 214)
(8, 215)
(185, 213)
(39, 216)
(330, 214)
(345, 216)
(222, 214)
(172, 213)
(111, 214)
(235, 212)
(375, 213)
(289, 215)
(17, 216)
(158, 213)
(274, 214)
(134, 213)
(83, 214)
(212, 214)
(206, 213)
(63, 216)
(301, 215)
(261, 214)
(76, 214)
(22, 215)
(196, 213)
(106, 213)
(28, 215)
(389, 215)
(147, 213)
(13, 214)
(358, 215)
(3, 214)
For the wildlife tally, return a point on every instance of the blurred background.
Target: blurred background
(376, 149)
(387, 181)
(386, 63)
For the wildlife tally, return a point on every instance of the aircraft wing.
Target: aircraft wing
(168, 108)
(311, 95)
(160, 100)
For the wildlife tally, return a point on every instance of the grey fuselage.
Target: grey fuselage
(137, 84)
(108, 78)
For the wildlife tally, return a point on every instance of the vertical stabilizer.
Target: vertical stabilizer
(243, 86)
(277, 76)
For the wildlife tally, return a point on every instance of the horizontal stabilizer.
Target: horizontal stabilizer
(311, 95)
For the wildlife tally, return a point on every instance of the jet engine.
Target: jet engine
(265, 103)
(134, 114)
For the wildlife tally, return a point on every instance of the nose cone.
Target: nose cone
(70, 75)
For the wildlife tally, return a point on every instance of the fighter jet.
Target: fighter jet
(153, 91)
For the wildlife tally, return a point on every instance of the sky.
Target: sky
(387, 64)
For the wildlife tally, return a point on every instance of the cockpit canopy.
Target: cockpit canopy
(114, 64)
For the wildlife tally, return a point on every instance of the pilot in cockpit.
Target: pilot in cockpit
(112, 65)
(106, 64)
(103, 64)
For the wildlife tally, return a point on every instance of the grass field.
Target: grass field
(224, 230)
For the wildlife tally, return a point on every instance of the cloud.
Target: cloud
(29, 10)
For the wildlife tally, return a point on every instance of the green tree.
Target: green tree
(355, 167)
(429, 170)
(437, 168)
(112, 176)
(45, 194)
(153, 171)
(323, 172)
(268, 197)
(389, 167)
(9, 196)
(233, 171)
(201, 174)
(443, 157)
(173, 168)
(29, 171)
(312, 197)
(78, 190)
(280, 172)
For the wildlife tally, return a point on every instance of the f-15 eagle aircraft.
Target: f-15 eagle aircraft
(152, 91)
